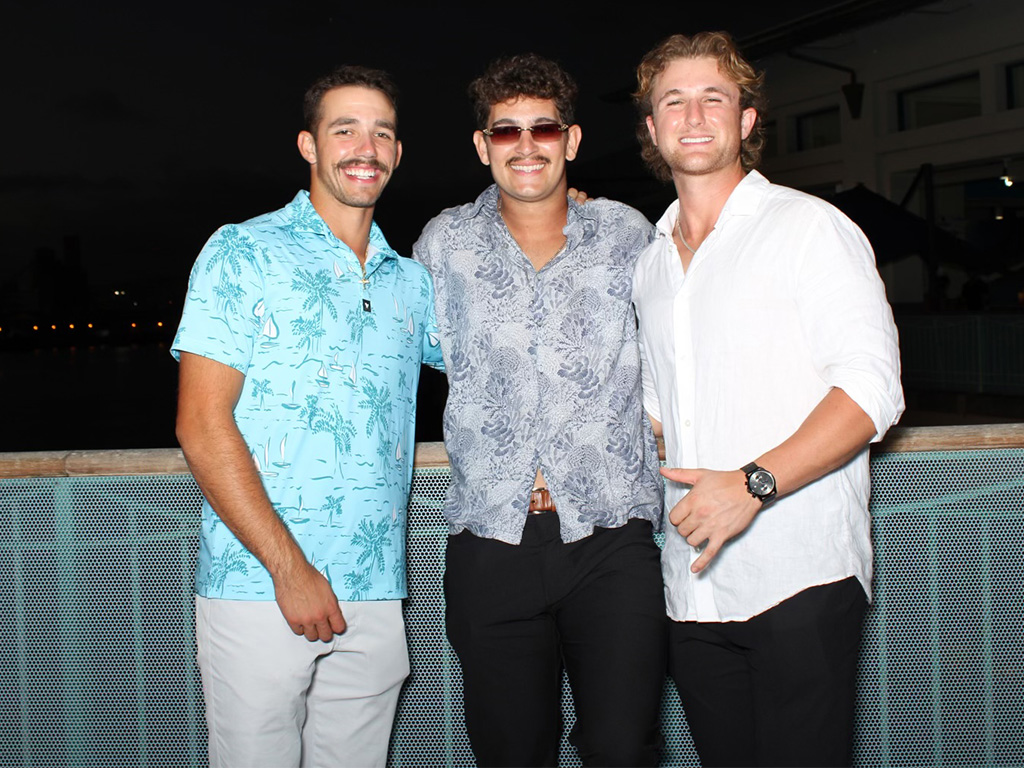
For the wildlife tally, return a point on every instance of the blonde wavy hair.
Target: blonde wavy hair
(715, 45)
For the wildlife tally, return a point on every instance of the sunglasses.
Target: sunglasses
(509, 134)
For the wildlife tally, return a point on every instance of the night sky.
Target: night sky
(132, 130)
(142, 127)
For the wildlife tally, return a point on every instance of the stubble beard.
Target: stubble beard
(700, 165)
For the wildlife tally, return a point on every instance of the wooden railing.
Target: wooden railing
(170, 461)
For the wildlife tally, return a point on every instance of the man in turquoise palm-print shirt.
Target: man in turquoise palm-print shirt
(300, 348)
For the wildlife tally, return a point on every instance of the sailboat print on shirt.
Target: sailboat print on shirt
(291, 405)
(264, 467)
(300, 515)
(268, 330)
(353, 372)
(282, 463)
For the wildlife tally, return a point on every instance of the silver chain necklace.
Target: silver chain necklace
(679, 229)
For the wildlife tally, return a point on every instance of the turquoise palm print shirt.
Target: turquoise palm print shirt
(331, 361)
(543, 371)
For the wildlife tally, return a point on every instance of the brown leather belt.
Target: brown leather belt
(540, 501)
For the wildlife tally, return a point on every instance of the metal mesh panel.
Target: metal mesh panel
(942, 679)
(97, 660)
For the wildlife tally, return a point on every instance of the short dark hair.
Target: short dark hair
(376, 79)
(715, 45)
(526, 74)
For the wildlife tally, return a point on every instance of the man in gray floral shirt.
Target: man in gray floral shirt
(555, 487)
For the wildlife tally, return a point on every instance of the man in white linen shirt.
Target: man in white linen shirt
(771, 360)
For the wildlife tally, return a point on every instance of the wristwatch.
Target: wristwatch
(760, 483)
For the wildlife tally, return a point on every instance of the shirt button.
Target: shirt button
(687, 422)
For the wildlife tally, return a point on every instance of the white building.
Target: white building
(943, 86)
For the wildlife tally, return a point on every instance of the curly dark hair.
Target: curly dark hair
(349, 74)
(527, 74)
(715, 45)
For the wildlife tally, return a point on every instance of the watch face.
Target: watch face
(761, 483)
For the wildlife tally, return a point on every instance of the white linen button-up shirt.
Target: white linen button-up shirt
(780, 303)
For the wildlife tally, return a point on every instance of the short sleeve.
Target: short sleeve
(431, 339)
(223, 312)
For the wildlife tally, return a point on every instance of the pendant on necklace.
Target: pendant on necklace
(366, 305)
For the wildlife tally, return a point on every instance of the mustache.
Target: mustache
(369, 163)
(524, 160)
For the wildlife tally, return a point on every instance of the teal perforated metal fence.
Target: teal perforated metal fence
(97, 657)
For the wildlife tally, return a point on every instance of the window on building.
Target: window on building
(1015, 85)
(818, 129)
(936, 103)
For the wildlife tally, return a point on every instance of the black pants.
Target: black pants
(777, 689)
(515, 614)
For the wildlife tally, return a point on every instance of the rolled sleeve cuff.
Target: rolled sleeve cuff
(883, 405)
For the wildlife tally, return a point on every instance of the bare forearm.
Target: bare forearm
(223, 468)
(220, 461)
(832, 434)
(718, 506)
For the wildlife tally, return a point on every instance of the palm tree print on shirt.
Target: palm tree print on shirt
(333, 505)
(374, 540)
(261, 388)
(358, 321)
(342, 430)
(233, 250)
(318, 293)
(359, 582)
(231, 560)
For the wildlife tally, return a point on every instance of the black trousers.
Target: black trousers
(515, 614)
(777, 689)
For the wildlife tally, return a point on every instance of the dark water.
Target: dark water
(81, 398)
(105, 397)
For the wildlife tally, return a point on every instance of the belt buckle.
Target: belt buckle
(540, 501)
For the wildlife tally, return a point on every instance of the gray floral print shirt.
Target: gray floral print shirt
(543, 370)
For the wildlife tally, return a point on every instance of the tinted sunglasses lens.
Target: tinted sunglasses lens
(509, 134)
(547, 132)
(505, 134)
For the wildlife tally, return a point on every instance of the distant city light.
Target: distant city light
(35, 327)
(53, 327)
(1007, 180)
(159, 324)
(71, 326)
(90, 325)
(133, 325)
